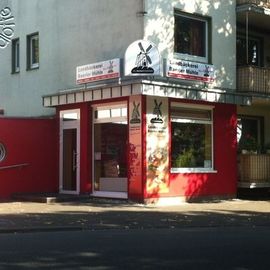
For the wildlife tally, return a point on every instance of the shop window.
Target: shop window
(249, 52)
(191, 144)
(33, 51)
(15, 55)
(191, 37)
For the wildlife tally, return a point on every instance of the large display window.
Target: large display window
(192, 139)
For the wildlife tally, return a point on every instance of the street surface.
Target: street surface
(211, 248)
(111, 235)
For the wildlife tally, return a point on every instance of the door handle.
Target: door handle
(74, 161)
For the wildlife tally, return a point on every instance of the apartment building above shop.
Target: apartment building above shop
(253, 78)
(253, 43)
(50, 38)
(189, 32)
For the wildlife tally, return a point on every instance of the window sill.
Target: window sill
(15, 72)
(193, 170)
(32, 68)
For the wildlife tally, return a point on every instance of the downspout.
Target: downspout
(247, 22)
(144, 14)
(144, 24)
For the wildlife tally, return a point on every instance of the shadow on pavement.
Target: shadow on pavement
(107, 215)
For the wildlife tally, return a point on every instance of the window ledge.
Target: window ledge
(193, 170)
(32, 68)
(15, 72)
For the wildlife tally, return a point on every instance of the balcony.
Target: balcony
(253, 80)
(260, 3)
(254, 171)
(253, 13)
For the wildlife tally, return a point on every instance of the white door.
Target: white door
(69, 181)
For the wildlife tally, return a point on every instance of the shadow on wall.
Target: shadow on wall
(160, 20)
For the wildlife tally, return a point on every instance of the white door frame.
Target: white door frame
(72, 122)
(115, 105)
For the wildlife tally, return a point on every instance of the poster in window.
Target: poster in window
(157, 146)
(135, 145)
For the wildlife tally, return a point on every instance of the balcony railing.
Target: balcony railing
(261, 3)
(254, 171)
(253, 79)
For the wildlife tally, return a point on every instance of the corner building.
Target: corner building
(140, 97)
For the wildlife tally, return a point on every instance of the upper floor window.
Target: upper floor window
(15, 55)
(191, 37)
(249, 51)
(33, 51)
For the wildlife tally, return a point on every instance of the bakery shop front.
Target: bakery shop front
(145, 136)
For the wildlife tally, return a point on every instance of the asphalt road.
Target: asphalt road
(234, 248)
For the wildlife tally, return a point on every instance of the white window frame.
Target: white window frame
(73, 123)
(30, 39)
(210, 122)
(190, 57)
(110, 108)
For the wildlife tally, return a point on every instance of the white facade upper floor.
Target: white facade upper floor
(49, 39)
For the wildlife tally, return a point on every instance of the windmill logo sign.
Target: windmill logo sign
(157, 112)
(135, 117)
(141, 59)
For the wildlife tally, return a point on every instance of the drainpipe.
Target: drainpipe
(247, 37)
(142, 14)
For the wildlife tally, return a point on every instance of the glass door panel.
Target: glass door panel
(69, 159)
(110, 157)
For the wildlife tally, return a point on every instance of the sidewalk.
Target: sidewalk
(94, 214)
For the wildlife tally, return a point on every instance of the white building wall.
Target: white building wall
(71, 33)
(78, 32)
(159, 29)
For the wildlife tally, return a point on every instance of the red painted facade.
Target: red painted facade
(31, 143)
(35, 143)
(223, 182)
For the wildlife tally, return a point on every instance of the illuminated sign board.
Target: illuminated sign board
(187, 70)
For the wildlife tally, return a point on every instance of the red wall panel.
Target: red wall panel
(221, 182)
(32, 142)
